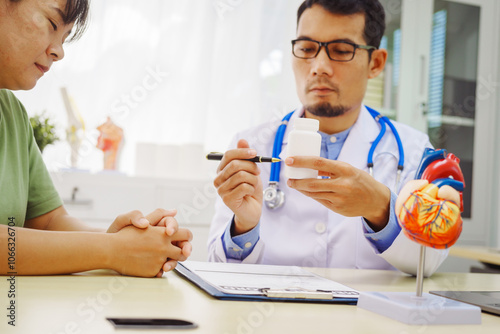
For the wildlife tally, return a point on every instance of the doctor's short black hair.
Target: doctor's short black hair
(77, 12)
(373, 10)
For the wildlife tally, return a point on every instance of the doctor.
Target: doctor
(346, 220)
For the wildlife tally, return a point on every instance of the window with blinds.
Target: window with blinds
(437, 63)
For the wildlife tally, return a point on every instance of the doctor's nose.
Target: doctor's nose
(322, 64)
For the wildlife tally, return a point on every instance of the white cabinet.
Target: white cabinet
(444, 56)
(98, 199)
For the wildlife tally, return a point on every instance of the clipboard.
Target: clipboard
(291, 294)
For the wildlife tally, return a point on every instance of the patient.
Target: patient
(37, 236)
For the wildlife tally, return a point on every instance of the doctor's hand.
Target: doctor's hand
(240, 187)
(348, 191)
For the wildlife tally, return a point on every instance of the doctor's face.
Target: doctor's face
(325, 87)
(33, 33)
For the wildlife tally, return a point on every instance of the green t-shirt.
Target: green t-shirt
(26, 189)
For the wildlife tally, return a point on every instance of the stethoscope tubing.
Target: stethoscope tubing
(383, 120)
(278, 142)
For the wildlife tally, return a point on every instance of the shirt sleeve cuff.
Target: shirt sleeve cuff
(241, 246)
(384, 238)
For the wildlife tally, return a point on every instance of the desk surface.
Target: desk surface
(482, 254)
(80, 303)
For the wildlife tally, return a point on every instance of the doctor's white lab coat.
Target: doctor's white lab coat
(305, 233)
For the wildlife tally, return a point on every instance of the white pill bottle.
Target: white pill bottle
(303, 140)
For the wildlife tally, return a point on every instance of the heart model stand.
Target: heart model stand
(431, 222)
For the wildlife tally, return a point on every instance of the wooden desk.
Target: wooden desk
(80, 303)
(482, 254)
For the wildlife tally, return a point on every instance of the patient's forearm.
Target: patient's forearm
(68, 223)
(51, 252)
(59, 220)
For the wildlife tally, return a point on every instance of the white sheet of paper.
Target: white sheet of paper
(250, 279)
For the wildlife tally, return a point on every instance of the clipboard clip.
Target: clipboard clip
(297, 293)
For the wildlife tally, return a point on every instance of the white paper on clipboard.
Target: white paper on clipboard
(254, 279)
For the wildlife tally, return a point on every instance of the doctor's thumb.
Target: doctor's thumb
(242, 143)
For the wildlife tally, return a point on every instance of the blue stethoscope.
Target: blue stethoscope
(274, 198)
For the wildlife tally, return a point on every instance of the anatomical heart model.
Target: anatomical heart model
(428, 208)
(430, 212)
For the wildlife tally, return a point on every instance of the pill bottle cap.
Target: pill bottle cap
(308, 124)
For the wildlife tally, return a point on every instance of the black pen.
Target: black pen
(218, 156)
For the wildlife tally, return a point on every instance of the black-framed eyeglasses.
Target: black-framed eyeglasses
(336, 50)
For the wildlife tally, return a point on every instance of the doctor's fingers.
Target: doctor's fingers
(235, 155)
(336, 185)
(241, 177)
(336, 202)
(235, 195)
(348, 210)
(240, 185)
(235, 168)
(327, 166)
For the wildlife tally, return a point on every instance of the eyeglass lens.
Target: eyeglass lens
(338, 50)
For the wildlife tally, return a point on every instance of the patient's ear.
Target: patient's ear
(377, 63)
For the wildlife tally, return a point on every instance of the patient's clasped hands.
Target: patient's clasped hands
(146, 246)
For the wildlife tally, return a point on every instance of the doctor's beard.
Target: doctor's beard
(325, 109)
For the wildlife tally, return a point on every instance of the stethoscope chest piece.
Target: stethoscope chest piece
(273, 196)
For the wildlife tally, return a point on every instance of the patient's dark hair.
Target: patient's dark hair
(373, 10)
(77, 12)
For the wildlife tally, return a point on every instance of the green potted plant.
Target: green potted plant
(43, 130)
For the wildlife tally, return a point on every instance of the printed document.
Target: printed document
(254, 279)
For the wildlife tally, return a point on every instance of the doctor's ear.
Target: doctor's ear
(377, 63)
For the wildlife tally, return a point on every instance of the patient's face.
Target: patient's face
(31, 40)
(323, 81)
